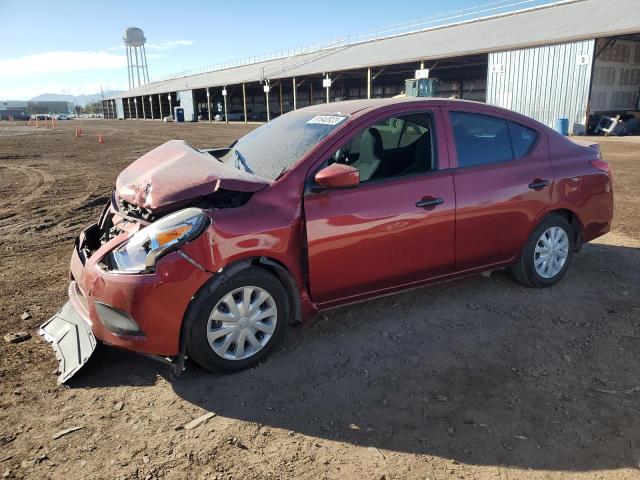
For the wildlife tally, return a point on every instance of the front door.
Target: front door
(397, 226)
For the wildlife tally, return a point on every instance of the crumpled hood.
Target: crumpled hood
(174, 173)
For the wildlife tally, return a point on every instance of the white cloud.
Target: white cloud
(64, 61)
(25, 92)
(166, 45)
(169, 44)
(72, 72)
(60, 61)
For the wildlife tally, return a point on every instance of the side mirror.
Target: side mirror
(338, 175)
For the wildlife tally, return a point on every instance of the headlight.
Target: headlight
(140, 252)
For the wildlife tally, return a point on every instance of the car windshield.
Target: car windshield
(273, 148)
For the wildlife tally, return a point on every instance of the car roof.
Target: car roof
(356, 108)
(352, 107)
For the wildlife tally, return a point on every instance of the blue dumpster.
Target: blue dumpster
(178, 114)
(562, 126)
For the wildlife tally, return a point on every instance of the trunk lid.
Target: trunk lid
(587, 143)
(174, 174)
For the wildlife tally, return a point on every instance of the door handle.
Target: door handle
(429, 202)
(539, 184)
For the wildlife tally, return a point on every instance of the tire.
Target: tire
(214, 300)
(525, 271)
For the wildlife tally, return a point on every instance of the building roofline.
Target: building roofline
(578, 20)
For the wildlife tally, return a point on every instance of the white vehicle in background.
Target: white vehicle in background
(62, 116)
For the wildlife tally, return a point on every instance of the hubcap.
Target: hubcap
(242, 323)
(552, 250)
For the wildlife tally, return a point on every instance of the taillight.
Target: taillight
(601, 165)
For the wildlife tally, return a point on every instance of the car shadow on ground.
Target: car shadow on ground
(482, 370)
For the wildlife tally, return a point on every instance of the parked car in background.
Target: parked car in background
(15, 115)
(213, 253)
(61, 116)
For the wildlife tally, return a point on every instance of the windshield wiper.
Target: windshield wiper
(240, 160)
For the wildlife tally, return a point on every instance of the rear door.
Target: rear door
(503, 178)
(397, 226)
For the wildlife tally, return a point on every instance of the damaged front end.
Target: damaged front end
(130, 285)
(133, 274)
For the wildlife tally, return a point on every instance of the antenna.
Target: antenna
(136, 57)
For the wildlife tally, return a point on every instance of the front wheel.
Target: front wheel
(239, 322)
(547, 254)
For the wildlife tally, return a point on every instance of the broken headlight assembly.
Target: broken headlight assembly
(140, 253)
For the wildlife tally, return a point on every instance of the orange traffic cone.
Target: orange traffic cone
(78, 132)
(100, 138)
(53, 124)
(37, 123)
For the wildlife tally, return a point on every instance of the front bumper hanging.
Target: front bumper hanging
(71, 338)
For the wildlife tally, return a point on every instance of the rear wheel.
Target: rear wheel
(547, 254)
(239, 322)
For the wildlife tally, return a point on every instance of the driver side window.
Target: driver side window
(394, 147)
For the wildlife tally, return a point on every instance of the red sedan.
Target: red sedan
(211, 254)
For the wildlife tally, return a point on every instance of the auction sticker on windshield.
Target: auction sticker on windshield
(327, 119)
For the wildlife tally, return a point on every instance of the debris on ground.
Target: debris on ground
(237, 442)
(17, 337)
(67, 431)
(628, 391)
(619, 125)
(197, 421)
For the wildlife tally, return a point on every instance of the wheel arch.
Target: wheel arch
(276, 268)
(573, 219)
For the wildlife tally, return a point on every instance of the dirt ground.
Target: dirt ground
(478, 378)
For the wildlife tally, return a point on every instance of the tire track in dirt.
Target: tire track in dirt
(38, 181)
(34, 184)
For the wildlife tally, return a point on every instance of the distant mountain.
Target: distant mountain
(81, 100)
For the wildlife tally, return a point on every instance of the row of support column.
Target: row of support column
(110, 111)
(267, 87)
(135, 111)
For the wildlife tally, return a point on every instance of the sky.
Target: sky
(75, 47)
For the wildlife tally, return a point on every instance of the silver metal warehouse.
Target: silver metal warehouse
(566, 59)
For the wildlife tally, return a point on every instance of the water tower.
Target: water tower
(136, 56)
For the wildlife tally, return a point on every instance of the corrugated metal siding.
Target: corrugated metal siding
(186, 102)
(119, 108)
(545, 83)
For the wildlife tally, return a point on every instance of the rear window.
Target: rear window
(480, 139)
(483, 139)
